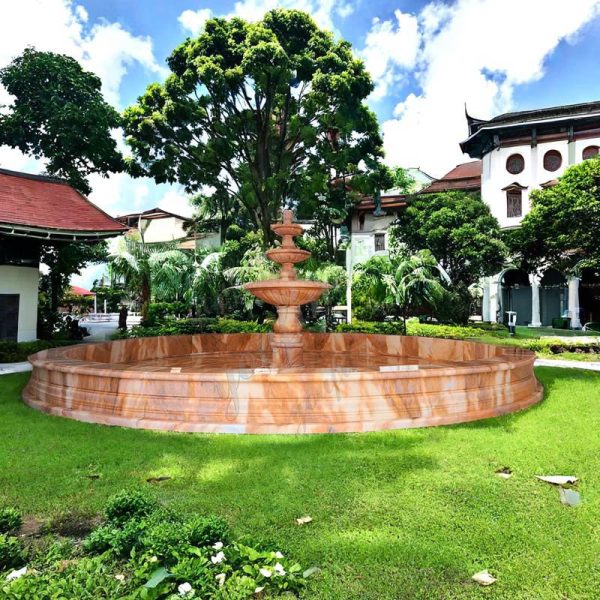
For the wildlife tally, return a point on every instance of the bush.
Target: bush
(195, 326)
(11, 552)
(158, 312)
(19, 351)
(125, 506)
(10, 519)
(205, 531)
(413, 328)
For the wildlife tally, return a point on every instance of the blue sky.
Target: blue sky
(427, 58)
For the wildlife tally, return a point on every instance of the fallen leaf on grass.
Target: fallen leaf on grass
(569, 497)
(303, 520)
(157, 479)
(93, 476)
(557, 479)
(504, 473)
(483, 578)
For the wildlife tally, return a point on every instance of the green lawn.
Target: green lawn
(397, 515)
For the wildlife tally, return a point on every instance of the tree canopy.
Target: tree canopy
(269, 112)
(563, 226)
(458, 229)
(59, 114)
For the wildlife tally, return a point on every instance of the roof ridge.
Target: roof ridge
(34, 177)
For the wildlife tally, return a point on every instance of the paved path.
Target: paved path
(6, 368)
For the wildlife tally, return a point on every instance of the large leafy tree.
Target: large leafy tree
(458, 229)
(562, 229)
(270, 112)
(59, 114)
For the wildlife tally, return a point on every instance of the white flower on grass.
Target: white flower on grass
(217, 558)
(278, 554)
(16, 574)
(154, 559)
(265, 572)
(218, 545)
(120, 577)
(220, 578)
(259, 589)
(279, 570)
(184, 588)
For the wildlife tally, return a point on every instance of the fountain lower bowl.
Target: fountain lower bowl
(282, 292)
(223, 383)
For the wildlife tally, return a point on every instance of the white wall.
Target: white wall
(495, 177)
(163, 230)
(22, 281)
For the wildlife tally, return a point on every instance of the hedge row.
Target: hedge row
(193, 326)
(412, 328)
(19, 351)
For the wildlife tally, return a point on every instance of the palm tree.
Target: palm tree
(369, 285)
(414, 283)
(140, 266)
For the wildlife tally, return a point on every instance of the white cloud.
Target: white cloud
(176, 201)
(474, 52)
(322, 11)
(193, 20)
(389, 48)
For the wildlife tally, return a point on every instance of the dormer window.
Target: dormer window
(552, 160)
(515, 164)
(590, 152)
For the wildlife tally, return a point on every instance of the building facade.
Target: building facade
(521, 152)
(34, 211)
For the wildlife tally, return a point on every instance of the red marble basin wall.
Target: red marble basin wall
(456, 381)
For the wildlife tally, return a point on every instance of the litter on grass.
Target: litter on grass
(483, 578)
(558, 479)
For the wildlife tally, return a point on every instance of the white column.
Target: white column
(349, 282)
(574, 302)
(494, 291)
(535, 301)
(485, 303)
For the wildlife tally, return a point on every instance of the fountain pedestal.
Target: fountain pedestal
(287, 293)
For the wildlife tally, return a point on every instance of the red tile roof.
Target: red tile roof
(39, 202)
(466, 176)
(389, 202)
(79, 291)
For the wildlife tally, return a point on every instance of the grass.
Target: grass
(396, 515)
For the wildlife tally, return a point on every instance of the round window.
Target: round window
(552, 160)
(590, 152)
(515, 164)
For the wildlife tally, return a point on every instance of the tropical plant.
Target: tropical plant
(369, 290)
(458, 229)
(265, 111)
(415, 283)
(159, 268)
(58, 113)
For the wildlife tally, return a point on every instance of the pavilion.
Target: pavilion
(37, 210)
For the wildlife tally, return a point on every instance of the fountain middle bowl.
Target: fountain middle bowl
(280, 292)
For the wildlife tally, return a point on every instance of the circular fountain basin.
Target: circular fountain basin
(224, 383)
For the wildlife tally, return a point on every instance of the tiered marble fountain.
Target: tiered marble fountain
(290, 381)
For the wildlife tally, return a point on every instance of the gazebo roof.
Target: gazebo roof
(41, 207)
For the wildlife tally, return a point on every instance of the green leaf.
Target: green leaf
(310, 572)
(157, 578)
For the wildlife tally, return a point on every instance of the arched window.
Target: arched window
(515, 164)
(590, 152)
(552, 160)
(514, 203)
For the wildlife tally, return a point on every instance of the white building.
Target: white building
(520, 152)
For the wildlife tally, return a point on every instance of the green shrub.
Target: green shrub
(11, 552)
(413, 328)
(10, 519)
(195, 326)
(205, 531)
(19, 351)
(125, 506)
